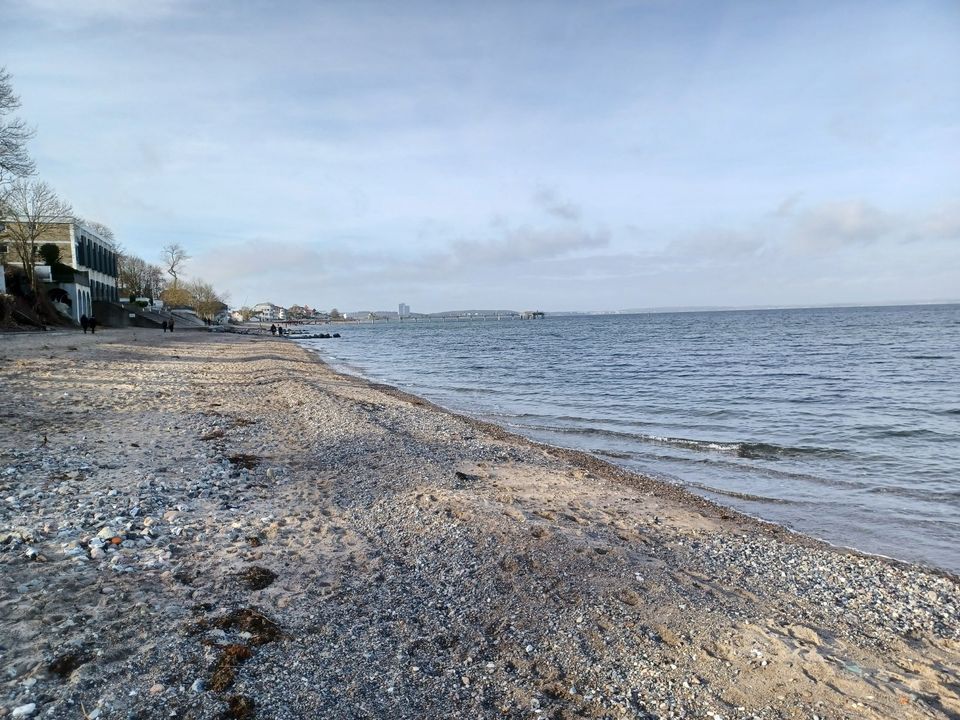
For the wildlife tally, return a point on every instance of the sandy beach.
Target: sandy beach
(219, 526)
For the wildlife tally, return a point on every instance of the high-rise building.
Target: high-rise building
(404, 310)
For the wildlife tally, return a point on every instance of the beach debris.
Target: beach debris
(262, 630)
(257, 578)
(239, 707)
(245, 461)
(64, 665)
(225, 669)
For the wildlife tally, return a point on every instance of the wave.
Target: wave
(747, 450)
(742, 495)
(613, 454)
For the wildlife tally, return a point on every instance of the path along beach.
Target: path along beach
(220, 526)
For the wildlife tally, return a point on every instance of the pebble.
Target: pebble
(24, 710)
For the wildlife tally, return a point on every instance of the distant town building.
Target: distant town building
(404, 310)
(268, 311)
(301, 312)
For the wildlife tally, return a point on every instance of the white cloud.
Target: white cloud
(942, 224)
(840, 223)
(523, 244)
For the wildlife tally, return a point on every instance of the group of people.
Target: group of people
(90, 323)
(277, 330)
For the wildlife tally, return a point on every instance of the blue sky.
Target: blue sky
(563, 156)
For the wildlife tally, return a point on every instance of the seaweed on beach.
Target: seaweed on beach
(248, 462)
(225, 669)
(257, 578)
(239, 707)
(261, 628)
(64, 665)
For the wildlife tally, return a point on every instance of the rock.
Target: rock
(24, 710)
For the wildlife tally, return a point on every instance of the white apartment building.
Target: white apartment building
(92, 261)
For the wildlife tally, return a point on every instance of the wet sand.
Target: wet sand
(203, 525)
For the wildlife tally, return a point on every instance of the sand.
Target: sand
(207, 525)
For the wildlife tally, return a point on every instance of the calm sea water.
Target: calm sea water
(841, 423)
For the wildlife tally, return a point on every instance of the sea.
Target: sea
(840, 423)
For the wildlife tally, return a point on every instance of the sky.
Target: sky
(509, 155)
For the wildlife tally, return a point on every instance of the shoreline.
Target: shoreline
(224, 526)
(613, 471)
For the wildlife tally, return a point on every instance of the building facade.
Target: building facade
(90, 272)
(267, 311)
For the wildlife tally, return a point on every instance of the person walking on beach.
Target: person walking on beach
(92, 322)
(273, 329)
(170, 325)
(164, 326)
(84, 323)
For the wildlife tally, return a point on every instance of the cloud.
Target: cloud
(788, 205)
(549, 201)
(722, 245)
(942, 224)
(525, 244)
(842, 223)
(514, 244)
(786, 252)
(817, 230)
(354, 268)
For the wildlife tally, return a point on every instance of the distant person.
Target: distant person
(164, 326)
(92, 322)
(170, 326)
(273, 329)
(84, 323)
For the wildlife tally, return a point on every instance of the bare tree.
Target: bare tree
(206, 301)
(132, 273)
(138, 276)
(32, 210)
(156, 282)
(174, 258)
(102, 230)
(175, 297)
(15, 162)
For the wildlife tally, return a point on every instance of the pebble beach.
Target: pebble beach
(209, 525)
